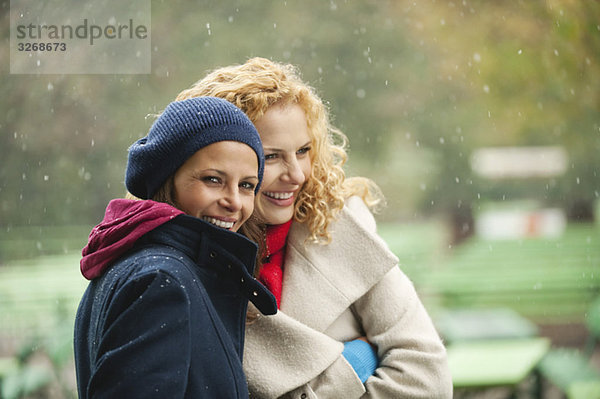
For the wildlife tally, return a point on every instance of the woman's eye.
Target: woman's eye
(211, 179)
(248, 186)
(303, 150)
(270, 156)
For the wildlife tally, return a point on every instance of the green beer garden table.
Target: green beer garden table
(494, 362)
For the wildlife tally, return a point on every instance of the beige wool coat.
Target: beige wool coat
(333, 293)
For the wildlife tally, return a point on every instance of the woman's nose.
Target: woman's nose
(231, 200)
(294, 173)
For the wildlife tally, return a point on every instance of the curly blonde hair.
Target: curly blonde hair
(259, 84)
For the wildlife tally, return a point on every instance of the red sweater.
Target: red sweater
(271, 272)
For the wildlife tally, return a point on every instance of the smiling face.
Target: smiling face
(217, 184)
(287, 144)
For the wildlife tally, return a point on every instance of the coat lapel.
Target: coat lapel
(321, 281)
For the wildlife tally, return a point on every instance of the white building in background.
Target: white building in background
(520, 162)
(515, 223)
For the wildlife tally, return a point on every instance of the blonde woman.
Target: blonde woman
(350, 323)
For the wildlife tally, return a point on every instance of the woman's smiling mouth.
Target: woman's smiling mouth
(219, 223)
(278, 195)
(280, 198)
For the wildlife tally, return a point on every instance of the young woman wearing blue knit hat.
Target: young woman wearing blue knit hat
(164, 313)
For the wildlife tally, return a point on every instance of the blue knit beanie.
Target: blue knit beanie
(183, 128)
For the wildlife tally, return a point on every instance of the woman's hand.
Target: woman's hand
(367, 341)
(362, 356)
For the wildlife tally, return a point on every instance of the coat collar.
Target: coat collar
(321, 281)
(230, 255)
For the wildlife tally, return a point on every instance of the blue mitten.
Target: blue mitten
(362, 358)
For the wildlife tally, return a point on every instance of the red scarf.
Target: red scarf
(271, 272)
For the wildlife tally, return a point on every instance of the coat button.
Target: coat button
(212, 255)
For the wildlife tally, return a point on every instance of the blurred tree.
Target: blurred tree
(415, 86)
(508, 73)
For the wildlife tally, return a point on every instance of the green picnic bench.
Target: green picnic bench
(33, 292)
(549, 296)
(459, 325)
(547, 281)
(491, 349)
(38, 300)
(490, 363)
(540, 280)
(570, 369)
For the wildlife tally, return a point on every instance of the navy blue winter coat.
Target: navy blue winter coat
(167, 319)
